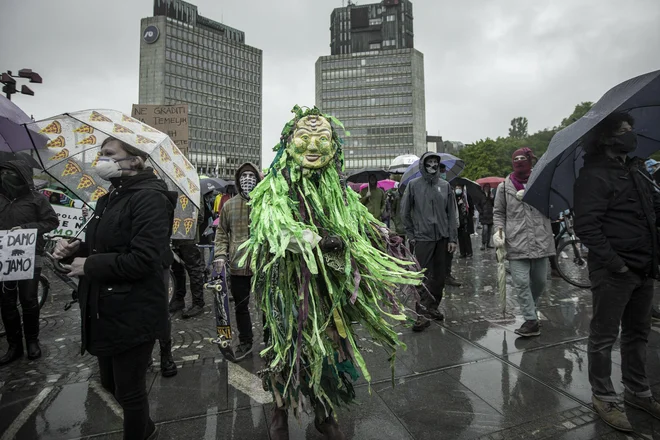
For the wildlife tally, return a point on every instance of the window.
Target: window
(374, 46)
(391, 17)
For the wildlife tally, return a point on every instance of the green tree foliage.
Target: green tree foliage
(492, 157)
(518, 128)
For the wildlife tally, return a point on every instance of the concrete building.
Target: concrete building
(188, 58)
(376, 89)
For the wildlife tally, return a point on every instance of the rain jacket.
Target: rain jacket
(375, 203)
(485, 209)
(528, 233)
(396, 222)
(123, 294)
(31, 210)
(428, 209)
(234, 227)
(616, 215)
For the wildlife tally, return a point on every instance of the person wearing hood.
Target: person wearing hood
(429, 218)
(527, 236)
(123, 269)
(617, 212)
(22, 208)
(485, 209)
(234, 230)
(373, 198)
(465, 221)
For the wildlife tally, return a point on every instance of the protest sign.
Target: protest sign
(71, 221)
(170, 119)
(17, 250)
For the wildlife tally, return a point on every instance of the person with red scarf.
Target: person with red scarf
(527, 236)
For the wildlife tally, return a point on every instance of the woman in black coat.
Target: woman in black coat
(123, 299)
(485, 209)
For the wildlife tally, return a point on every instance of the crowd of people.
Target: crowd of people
(266, 236)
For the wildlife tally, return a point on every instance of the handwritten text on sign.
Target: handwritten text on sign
(71, 221)
(170, 119)
(17, 254)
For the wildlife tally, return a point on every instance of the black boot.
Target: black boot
(167, 365)
(12, 321)
(31, 329)
(279, 425)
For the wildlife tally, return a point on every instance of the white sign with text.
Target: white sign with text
(71, 222)
(17, 250)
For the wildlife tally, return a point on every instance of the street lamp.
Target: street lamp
(9, 82)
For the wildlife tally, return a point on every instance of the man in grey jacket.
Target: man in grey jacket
(429, 220)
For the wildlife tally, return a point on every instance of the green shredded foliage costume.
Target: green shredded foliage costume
(312, 293)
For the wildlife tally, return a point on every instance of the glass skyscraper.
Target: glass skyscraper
(187, 58)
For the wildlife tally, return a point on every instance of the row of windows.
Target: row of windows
(371, 142)
(367, 102)
(355, 73)
(389, 60)
(362, 132)
(216, 42)
(222, 124)
(375, 91)
(183, 95)
(201, 91)
(365, 82)
(211, 67)
(211, 55)
(236, 150)
(236, 114)
(238, 80)
(214, 136)
(365, 121)
(371, 112)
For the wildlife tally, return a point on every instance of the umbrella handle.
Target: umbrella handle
(500, 231)
(57, 266)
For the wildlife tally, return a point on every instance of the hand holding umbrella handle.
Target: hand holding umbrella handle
(57, 266)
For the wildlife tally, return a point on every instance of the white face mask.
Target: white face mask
(248, 182)
(459, 191)
(108, 168)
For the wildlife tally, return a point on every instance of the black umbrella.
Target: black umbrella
(473, 189)
(362, 176)
(25, 157)
(209, 184)
(550, 188)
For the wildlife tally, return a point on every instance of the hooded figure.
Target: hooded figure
(22, 208)
(234, 230)
(429, 218)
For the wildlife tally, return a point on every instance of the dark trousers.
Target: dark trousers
(486, 234)
(240, 290)
(432, 256)
(464, 242)
(449, 260)
(625, 300)
(125, 376)
(194, 265)
(25, 291)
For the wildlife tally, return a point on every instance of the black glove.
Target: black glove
(331, 243)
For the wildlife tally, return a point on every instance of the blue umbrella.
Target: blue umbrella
(454, 166)
(14, 136)
(550, 188)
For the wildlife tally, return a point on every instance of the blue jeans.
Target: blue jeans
(528, 278)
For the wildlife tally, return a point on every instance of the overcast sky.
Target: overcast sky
(486, 62)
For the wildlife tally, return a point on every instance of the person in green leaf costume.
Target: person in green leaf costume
(322, 263)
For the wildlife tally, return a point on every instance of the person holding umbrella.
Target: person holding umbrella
(616, 215)
(465, 223)
(22, 208)
(527, 236)
(122, 270)
(373, 198)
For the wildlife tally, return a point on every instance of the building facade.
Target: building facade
(188, 58)
(375, 89)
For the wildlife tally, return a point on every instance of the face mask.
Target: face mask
(108, 168)
(432, 168)
(13, 185)
(459, 192)
(247, 181)
(443, 176)
(625, 143)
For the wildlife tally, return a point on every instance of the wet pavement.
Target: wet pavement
(470, 378)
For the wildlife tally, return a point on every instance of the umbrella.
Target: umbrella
(362, 176)
(13, 135)
(454, 166)
(385, 185)
(401, 163)
(209, 184)
(492, 181)
(31, 161)
(550, 188)
(73, 150)
(473, 189)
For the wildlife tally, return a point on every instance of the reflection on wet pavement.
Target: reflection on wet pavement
(471, 377)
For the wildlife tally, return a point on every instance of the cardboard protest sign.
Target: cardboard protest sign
(71, 222)
(170, 119)
(17, 250)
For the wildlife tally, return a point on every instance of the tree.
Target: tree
(580, 110)
(518, 128)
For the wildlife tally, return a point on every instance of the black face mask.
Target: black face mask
(12, 185)
(624, 143)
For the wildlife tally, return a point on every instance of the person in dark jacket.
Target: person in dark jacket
(616, 215)
(465, 222)
(485, 209)
(22, 208)
(430, 223)
(123, 297)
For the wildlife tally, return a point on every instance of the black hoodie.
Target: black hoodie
(123, 296)
(30, 210)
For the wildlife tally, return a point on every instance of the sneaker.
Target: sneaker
(167, 366)
(482, 248)
(648, 404)
(243, 349)
(655, 315)
(177, 304)
(421, 324)
(451, 281)
(529, 328)
(612, 413)
(194, 310)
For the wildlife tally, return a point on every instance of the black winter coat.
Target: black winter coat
(31, 210)
(485, 209)
(616, 214)
(123, 296)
